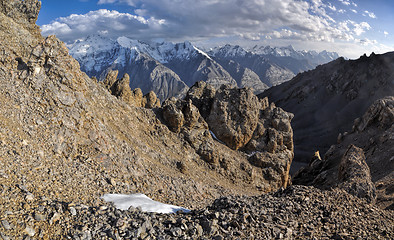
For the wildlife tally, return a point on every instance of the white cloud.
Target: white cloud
(306, 21)
(385, 33)
(101, 21)
(345, 2)
(332, 7)
(370, 14)
(353, 10)
(366, 42)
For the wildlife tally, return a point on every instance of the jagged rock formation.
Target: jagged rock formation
(325, 101)
(354, 175)
(121, 88)
(238, 119)
(234, 116)
(373, 135)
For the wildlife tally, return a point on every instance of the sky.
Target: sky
(349, 27)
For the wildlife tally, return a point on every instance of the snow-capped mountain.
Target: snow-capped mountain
(312, 57)
(169, 69)
(166, 68)
(273, 65)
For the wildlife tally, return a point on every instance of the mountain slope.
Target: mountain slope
(373, 133)
(326, 100)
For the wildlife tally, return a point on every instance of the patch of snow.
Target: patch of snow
(124, 201)
(203, 53)
(252, 153)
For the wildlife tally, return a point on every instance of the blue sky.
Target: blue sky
(349, 27)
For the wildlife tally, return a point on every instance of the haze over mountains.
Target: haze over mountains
(170, 69)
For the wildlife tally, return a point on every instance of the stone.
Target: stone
(354, 175)
(6, 224)
(150, 100)
(39, 217)
(173, 115)
(234, 116)
(30, 231)
(201, 94)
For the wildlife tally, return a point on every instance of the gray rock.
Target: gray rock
(234, 116)
(354, 175)
(6, 224)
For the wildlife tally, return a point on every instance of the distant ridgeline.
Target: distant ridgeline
(169, 69)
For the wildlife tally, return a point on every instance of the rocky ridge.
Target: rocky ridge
(326, 100)
(362, 160)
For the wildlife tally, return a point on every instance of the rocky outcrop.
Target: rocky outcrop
(23, 12)
(182, 116)
(373, 135)
(238, 119)
(120, 88)
(202, 95)
(354, 175)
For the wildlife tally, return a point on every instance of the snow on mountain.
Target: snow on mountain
(166, 67)
(313, 57)
(228, 51)
(162, 67)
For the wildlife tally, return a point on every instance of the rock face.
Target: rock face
(373, 135)
(325, 101)
(182, 116)
(238, 119)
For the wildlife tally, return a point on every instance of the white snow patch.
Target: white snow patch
(203, 53)
(124, 201)
(252, 153)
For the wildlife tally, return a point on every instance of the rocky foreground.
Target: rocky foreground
(298, 212)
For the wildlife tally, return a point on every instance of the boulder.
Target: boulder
(234, 116)
(150, 100)
(354, 175)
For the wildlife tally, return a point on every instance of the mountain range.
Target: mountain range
(169, 69)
